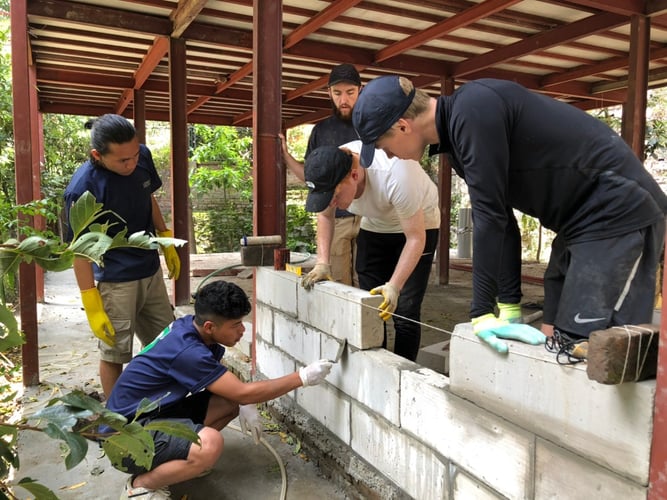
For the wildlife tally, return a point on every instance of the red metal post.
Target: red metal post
(179, 164)
(24, 121)
(658, 468)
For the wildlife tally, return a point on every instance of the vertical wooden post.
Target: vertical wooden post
(179, 163)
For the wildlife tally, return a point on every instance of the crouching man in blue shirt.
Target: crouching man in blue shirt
(182, 369)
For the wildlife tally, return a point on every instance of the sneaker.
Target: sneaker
(144, 493)
(568, 351)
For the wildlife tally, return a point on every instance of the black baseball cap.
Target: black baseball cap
(381, 103)
(344, 73)
(324, 168)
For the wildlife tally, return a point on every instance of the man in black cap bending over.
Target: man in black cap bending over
(400, 221)
(344, 85)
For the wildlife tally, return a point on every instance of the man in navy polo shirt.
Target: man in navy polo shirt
(130, 297)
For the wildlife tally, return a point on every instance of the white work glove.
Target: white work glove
(315, 372)
(321, 272)
(250, 421)
(390, 294)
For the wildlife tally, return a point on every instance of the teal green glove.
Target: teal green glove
(509, 312)
(490, 329)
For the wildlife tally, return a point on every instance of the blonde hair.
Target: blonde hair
(418, 105)
(419, 102)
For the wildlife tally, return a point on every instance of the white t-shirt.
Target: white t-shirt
(395, 189)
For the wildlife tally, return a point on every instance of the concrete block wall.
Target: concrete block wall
(514, 426)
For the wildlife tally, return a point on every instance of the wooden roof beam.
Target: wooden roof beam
(152, 58)
(102, 16)
(560, 35)
(458, 21)
(183, 15)
(330, 13)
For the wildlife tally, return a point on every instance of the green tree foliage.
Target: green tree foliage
(75, 417)
(230, 150)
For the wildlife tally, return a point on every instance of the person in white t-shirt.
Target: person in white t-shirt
(400, 222)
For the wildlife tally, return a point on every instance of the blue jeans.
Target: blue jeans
(377, 256)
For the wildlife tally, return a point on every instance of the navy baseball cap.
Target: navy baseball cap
(380, 104)
(324, 168)
(344, 73)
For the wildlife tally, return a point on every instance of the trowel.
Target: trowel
(341, 349)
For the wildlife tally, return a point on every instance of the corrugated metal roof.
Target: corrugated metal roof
(90, 54)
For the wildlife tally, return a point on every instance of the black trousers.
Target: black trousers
(377, 256)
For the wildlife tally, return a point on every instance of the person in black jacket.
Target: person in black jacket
(517, 149)
(343, 88)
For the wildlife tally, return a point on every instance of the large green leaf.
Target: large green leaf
(91, 245)
(77, 445)
(133, 441)
(56, 263)
(10, 336)
(36, 246)
(84, 212)
(63, 416)
(176, 429)
(40, 491)
(10, 259)
(79, 399)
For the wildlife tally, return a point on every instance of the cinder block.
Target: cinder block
(298, 341)
(435, 357)
(465, 487)
(272, 362)
(609, 425)
(343, 312)
(264, 322)
(400, 457)
(277, 289)
(329, 406)
(561, 474)
(373, 378)
(488, 447)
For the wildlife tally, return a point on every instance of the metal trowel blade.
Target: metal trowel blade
(341, 349)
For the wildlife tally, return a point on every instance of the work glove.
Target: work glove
(315, 372)
(171, 255)
(321, 272)
(390, 294)
(250, 421)
(490, 329)
(509, 312)
(97, 317)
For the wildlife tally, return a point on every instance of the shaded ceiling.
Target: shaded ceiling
(91, 54)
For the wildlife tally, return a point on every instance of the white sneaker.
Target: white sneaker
(144, 493)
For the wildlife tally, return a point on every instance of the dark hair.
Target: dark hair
(109, 129)
(220, 300)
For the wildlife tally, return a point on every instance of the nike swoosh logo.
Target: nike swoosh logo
(580, 320)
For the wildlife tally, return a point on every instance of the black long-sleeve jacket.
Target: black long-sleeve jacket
(519, 149)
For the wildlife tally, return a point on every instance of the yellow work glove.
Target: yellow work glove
(509, 312)
(97, 317)
(171, 255)
(321, 272)
(390, 294)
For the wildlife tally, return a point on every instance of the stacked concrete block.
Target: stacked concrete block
(500, 426)
(608, 425)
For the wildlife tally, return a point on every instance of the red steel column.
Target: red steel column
(24, 121)
(179, 164)
(269, 186)
(658, 467)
